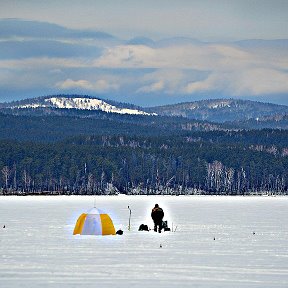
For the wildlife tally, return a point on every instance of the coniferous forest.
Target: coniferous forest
(87, 156)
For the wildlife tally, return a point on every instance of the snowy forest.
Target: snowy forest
(214, 163)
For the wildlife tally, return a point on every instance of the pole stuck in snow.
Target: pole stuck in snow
(174, 230)
(129, 223)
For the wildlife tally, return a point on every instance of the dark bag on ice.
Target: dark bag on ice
(143, 227)
(165, 226)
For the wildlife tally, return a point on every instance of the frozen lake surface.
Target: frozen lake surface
(37, 248)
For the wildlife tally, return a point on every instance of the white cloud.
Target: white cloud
(225, 68)
(259, 81)
(187, 56)
(154, 87)
(69, 83)
(210, 83)
(98, 86)
(127, 56)
(251, 81)
(168, 81)
(44, 62)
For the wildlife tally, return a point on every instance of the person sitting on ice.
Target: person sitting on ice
(157, 215)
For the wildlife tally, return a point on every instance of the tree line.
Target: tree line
(180, 164)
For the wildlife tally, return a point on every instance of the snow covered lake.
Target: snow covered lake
(37, 248)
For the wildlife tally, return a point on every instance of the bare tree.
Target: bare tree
(27, 181)
(15, 177)
(90, 183)
(6, 173)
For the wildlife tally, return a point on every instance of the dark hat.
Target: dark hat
(156, 205)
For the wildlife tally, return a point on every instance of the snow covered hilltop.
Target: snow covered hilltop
(239, 113)
(77, 102)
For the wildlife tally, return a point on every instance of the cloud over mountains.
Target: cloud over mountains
(42, 58)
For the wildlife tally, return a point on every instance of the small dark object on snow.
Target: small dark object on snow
(4, 226)
(254, 233)
(165, 226)
(143, 227)
(119, 232)
(214, 239)
(160, 245)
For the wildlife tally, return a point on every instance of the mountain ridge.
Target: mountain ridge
(221, 110)
(238, 113)
(75, 102)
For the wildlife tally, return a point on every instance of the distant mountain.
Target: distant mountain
(219, 114)
(24, 28)
(141, 41)
(28, 39)
(73, 102)
(177, 41)
(55, 117)
(272, 122)
(221, 110)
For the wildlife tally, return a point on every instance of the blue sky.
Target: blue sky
(145, 52)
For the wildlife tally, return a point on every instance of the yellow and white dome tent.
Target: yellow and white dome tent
(94, 222)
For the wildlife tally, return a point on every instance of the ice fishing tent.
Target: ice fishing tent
(94, 222)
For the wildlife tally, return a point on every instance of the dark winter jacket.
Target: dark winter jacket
(157, 214)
